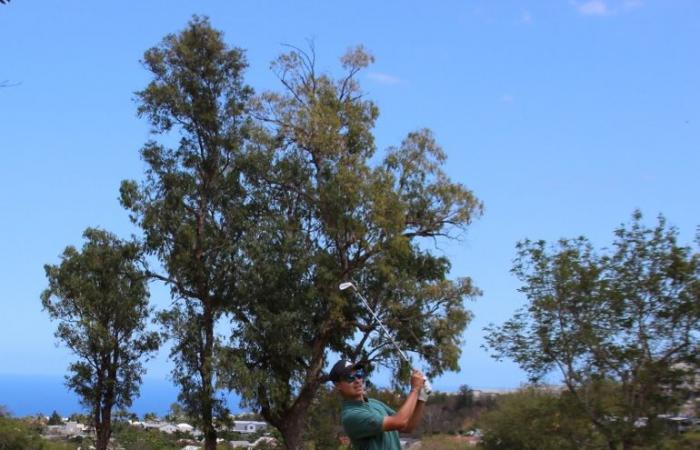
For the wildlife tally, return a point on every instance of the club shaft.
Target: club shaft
(386, 332)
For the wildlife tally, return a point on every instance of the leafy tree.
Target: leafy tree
(136, 438)
(323, 420)
(99, 297)
(150, 417)
(192, 205)
(175, 413)
(621, 327)
(17, 434)
(55, 419)
(533, 419)
(80, 418)
(334, 214)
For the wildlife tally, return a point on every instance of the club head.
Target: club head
(346, 285)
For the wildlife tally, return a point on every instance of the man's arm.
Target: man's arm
(415, 418)
(403, 416)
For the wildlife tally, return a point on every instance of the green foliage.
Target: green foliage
(17, 434)
(535, 420)
(192, 206)
(80, 418)
(334, 214)
(323, 420)
(622, 327)
(99, 297)
(442, 442)
(136, 438)
(266, 204)
(55, 419)
(452, 412)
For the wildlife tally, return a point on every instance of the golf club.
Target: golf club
(347, 285)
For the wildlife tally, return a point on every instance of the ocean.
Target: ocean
(25, 395)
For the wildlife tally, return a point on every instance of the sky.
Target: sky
(562, 116)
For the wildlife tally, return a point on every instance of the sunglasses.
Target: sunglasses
(357, 375)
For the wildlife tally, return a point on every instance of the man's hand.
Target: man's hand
(417, 380)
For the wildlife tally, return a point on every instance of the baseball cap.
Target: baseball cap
(343, 368)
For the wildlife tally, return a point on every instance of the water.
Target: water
(25, 395)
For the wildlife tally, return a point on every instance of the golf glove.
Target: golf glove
(423, 395)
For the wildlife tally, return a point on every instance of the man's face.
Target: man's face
(352, 386)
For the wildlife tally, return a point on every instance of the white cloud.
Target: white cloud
(383, 78)
(605, 7)
(632, 4)
(593, 8)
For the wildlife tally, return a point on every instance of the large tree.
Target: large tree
(335, 213)
(99, 297)
(620, 326)
(192, 206)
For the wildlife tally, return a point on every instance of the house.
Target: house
(168, 428)
(184, 427)
(248, 426)
(68, 429)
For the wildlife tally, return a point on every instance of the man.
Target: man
(370, 424)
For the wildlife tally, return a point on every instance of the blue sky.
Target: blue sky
(562, 116)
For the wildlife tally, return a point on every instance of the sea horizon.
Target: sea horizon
(32, 394)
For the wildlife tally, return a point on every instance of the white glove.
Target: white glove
(425, 391)
(422, 395)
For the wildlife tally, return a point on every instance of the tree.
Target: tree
(333, 215)
(621, 327)
(176, 413)
(533, 419)
(99, 297)
(55, 419)
(192, 205)
(150, 417)
(18, 434)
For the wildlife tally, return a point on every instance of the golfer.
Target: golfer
(370, 424)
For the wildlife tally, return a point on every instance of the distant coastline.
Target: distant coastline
(26, 395)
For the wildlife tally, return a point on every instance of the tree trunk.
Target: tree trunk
(104, 431)
(293, 431)
(293, 425)
(103, 424)
(207, 380)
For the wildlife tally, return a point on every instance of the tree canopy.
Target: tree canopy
(332, 214)
(99, 297)
(193, 204)
(620, 326)
(265, 205)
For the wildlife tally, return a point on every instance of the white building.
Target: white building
(184, 427)
(68, 429)
(248, 426)
(168, 428)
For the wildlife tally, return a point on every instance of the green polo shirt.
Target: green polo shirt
(363, 421)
